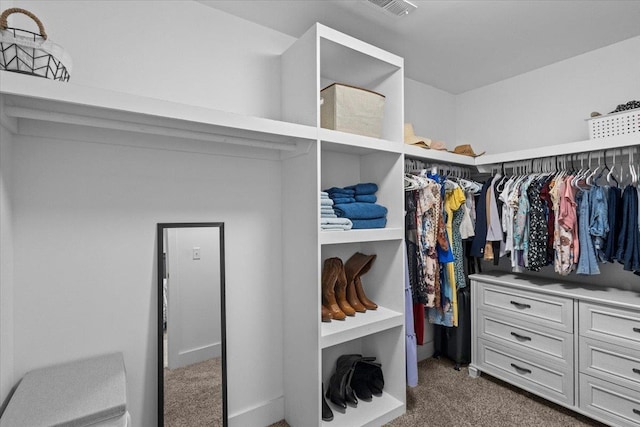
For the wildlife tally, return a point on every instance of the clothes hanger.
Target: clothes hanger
(610, 175)
(578, 176)
(603, 170)
(590, 175)
(632, 169)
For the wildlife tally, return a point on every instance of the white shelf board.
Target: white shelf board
(379, 411)
(356, 144)
(28, 97)
(344, 57)
(364, 235)
(438, 155)
(561, 149)
(358, 326)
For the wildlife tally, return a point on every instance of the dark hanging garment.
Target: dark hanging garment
(480, 238)
(614, 205)
(455, 343)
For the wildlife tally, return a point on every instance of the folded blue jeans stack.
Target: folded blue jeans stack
(358, 203)
(329, 221)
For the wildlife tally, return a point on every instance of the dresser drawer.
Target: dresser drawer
(545, 311)
(610, 362)
(549, 343)
(526, 371)
(607, 401)
(615, 325)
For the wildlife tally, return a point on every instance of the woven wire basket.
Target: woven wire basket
(26, 52)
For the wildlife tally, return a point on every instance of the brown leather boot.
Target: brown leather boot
(355, 267)
(329, 278)
(326, 314)
(341, 292)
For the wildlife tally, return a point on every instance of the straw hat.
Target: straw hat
(466, 150)
(420, 141)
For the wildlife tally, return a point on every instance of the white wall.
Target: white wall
(431, 111)
(193, 308)
(177, 50)
(85, 214)
(6, 267)
(85, 272)
(549, 105)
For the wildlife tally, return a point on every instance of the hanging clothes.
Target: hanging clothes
(521, 226)
(428, 220)
(538, 229)
(410, 340)
(456, 202)
(568, 222)
(495, 234)
(614, 215)
(418, 287)
(549, 213)
(629, 245)
(587, 262)
(598, 220)
(480, 238)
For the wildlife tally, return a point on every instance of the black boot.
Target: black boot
(327, 413)
(339, 390)
(367, 379)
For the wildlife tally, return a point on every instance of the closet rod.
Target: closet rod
(620, 141)
(77, 119)
(411, 165)
(601, 157)
(589, 156)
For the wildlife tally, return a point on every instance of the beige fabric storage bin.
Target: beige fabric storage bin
(352, 109)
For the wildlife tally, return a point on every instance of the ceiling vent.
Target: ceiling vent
(395, 7)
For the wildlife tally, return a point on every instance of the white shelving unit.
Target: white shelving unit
(320, 57)
(63, 105)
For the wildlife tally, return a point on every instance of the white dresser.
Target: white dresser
(575, 345)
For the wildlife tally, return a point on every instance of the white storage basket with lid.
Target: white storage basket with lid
(26, 52)
(614, 124)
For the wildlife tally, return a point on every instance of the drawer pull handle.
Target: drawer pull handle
(636, 329)
(528, 371)
(521, 337)
(636, 370)
(520, 305)
(636, 411)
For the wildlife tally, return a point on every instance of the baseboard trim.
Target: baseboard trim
(260, 415)
(426, 350)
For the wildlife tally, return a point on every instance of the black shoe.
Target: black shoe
(367, 379)
(327, 413)
(339, 390)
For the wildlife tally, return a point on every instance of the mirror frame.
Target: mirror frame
(159, 271)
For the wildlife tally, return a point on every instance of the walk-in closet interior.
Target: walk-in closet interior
(191, 236)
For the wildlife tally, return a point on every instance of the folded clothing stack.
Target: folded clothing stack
(328, 218)
(358, 203)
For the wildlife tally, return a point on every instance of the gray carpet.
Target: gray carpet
(193, 395)
(446, 397)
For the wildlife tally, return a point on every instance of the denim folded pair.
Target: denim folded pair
(342, 200)
(337, 190)
(364, 188)
(369, 223)
(366, 198)
(359, 210)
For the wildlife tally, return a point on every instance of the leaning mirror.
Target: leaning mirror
(191, 325)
